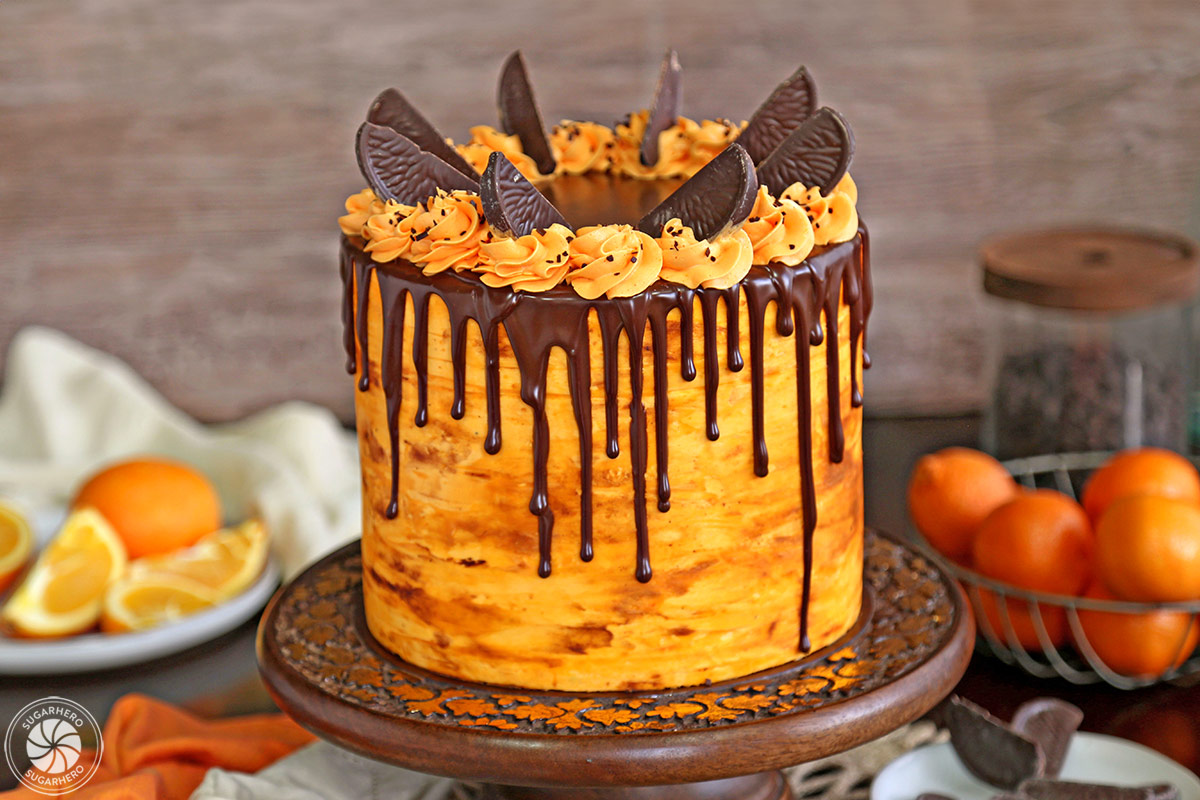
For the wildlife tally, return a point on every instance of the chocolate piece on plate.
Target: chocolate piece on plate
(519, 113)
(933, 796)
(1050, 723)
(1045, 789)
(392, 110)
(397, 169)
(988, 748)
(668, 103)
(511, 204)
(715, 199)
(817, 154)
(792, 102)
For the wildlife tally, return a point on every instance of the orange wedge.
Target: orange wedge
(16, 543)
(64, 591)
(159, 589)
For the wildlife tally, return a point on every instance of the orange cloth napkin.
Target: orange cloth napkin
(155, 751)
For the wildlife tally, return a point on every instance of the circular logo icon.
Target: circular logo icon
(53, 745)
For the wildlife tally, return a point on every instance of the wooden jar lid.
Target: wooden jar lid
(1092, 269)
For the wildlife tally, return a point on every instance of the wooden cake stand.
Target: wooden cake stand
(721, 741)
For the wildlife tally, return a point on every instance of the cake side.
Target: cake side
(452, 581)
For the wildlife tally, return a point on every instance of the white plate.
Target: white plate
(1092, 757)
(96, 651)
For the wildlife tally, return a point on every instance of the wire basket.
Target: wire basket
(1078, 663)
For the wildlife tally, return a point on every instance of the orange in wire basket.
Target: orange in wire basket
(1040, 541)
(1020, 616)
(1147, 470)
(1148, 549)
(155, 505)
(951, 492)
(1138, 645)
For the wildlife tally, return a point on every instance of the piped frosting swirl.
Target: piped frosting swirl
(695, 263)
(614, 261)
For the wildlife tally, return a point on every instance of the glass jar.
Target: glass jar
(1091, 346)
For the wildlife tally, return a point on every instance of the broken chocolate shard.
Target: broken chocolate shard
(392, 110)
(792, 102)
(668, 103)
(519, 113)
(988, 748)
(817, 154)
(711, 202)
(511, 204)
(1050, 723)
(397, 169)
(1043, 789)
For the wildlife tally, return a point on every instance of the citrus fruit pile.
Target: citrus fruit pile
(141, 546)
(1134, 536)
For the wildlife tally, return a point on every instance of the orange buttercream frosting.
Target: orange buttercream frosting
(834, 216)
(442, 233)
(613, 260)
(531, 263)
(716, 264)
(486, 140)
(779, 230)
(581, 147)
(683, 148)
(359, 208)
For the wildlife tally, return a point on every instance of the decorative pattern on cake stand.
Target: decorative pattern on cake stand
(909, 648)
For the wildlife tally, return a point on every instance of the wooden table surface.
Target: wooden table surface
(221, 677)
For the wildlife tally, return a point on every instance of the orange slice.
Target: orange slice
(137, 603)
(225, 561)
(64, 591)
(16, 543)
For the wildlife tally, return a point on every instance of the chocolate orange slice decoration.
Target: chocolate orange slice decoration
(397, 169)
(511, 204)
(392, 110)
(817, 154)
(792, 102)
(715, 199)
(668, 103)
(519, 113)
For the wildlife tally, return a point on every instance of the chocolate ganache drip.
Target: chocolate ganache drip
(807, 298)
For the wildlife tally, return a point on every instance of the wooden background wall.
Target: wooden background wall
(170, 170)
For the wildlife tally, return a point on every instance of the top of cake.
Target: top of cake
(529, 210)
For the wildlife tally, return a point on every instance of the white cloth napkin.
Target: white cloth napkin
(66, 409)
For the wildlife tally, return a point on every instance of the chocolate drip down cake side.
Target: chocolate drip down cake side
(608, 389)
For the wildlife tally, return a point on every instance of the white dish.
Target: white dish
(1093, 757)
(96, 651)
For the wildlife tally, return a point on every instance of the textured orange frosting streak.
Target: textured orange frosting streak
(613, 261)
(451, 584)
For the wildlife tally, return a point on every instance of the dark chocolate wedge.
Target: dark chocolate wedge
(397, 169)
(511, 204)
(792, 102)
(817, 153)
(988, 748)
(715, 199)
(392, 110)
(668, 103)
(519, 113)
(1042, 789)
(1050, 723)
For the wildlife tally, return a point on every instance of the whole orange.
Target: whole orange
(1148, 549)
(1040, 540)
(155, 505)
(950, 493)
(1020, 616)
(1147, 470)
(1139, 645)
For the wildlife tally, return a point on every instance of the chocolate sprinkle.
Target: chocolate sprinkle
(792, 102)
(988, 748)
(817, 154)
(511, 204)
(519, 113)
(718, 197)
(1050, 723)
(392, 110)
(668, 103)
(397, 169)
(1039, 789)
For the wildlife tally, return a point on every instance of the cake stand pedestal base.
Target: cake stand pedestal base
(723, 741)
